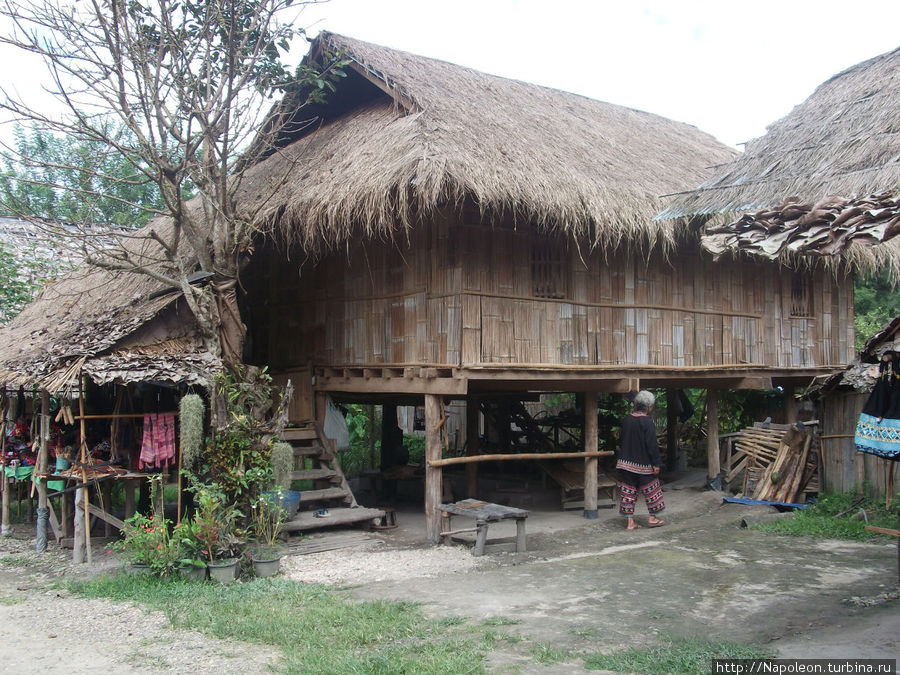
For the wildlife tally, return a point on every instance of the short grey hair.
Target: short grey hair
(644, 400)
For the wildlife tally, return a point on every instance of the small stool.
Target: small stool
(388, 521)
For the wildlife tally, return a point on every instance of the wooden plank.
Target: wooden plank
(106, 517)
(326, 493)
(306, 520)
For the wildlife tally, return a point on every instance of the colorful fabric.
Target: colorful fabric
(158, 443)
(634, 467)
(881, 438)
(649, 487)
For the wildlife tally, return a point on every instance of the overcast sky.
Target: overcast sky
(729, 67)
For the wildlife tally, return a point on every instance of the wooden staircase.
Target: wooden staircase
(316, 460)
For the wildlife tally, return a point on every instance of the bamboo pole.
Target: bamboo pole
(590, 462)
(84, 461)
(40, 472)
(4, 486)
(515, 456)
(120, 416)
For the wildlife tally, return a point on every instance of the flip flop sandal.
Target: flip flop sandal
(659, 524)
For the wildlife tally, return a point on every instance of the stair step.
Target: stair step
(305, 520)
(299, 435)
(313, 474)
(310, 451)
(327, 493)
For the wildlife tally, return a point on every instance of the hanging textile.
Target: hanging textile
(158, 443)
(878, 429)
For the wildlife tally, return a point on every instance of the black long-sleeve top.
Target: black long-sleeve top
(639, 451)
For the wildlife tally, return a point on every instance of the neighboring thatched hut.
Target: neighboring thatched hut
(440, 234)
(840, 399)
(821, 186)
(821, 190)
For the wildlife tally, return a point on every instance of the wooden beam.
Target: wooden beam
(590, 462)
(712, 438)
(409, 384)
(433, 471)
(518, 456)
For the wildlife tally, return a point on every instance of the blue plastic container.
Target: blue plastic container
(290, 501)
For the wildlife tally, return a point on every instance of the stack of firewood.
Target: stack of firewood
(779, 463)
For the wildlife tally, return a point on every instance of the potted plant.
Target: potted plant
(267, 521)
(147, 546)
(214, 524)
(191, 564)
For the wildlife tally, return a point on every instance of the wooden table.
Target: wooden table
(483, 513)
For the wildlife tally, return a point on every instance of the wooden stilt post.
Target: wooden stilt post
(671, 428)
(84, 455)
(6, 529)
(4, 484)
(590, 463)
(712, 439)
(370, 431)
(40, 471)
(433, 474)
(790, 405)
(472, 446)
(320, 408)
(78, 546)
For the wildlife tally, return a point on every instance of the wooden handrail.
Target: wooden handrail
(524, 455)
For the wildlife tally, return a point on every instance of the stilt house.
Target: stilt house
(439, 234)
(820, 191)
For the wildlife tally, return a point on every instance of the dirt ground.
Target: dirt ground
(582, 586)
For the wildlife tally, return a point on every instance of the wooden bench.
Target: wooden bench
(483, 513)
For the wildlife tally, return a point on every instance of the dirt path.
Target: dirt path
(44, 630)
(583, 586)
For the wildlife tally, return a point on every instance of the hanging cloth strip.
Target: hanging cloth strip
(878, 429)
(158, 444)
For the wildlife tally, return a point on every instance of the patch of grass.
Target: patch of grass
(544, 653)
(500, 621)
(9, 600)
(317, 629)
(16, 560)
(677, 656)
(452, 621)
(822, 521)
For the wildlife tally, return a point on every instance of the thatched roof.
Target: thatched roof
(862, 373)
(116, 326)
(856, 231)
(843, 142)
(403, 135)
(430, 133)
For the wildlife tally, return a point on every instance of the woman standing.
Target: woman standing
(639, 463)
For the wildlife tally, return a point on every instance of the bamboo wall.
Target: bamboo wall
(844, 469)
(459, 294)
